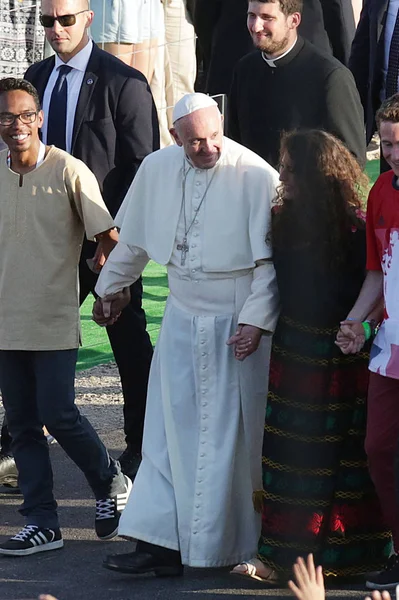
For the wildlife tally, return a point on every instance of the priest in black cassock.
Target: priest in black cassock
(223, 36)
(289, 84)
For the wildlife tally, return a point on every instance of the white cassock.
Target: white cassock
(205, 410)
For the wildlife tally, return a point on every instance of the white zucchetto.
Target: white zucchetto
(190, 103)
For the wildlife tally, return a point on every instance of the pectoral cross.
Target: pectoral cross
(184, 248)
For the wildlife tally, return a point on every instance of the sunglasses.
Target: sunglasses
(64, 20)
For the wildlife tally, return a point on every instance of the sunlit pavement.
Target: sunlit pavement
(75, 572)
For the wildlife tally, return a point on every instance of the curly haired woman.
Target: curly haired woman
(318, 496)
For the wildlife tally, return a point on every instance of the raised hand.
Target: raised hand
(376, 595)
(309, 580)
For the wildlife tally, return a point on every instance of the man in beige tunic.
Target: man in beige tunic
(202, 208)
(48, 200)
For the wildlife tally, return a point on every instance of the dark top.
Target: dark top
(316, 296)
(367, 58)
(221, 26)
(306, 89)
(116, 123)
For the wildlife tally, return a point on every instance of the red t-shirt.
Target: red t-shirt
(382, 226)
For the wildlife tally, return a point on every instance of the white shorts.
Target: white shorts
(126, 21)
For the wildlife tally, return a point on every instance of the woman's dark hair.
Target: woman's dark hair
(327, 205)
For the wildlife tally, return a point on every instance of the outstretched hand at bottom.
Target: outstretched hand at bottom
(309, 580)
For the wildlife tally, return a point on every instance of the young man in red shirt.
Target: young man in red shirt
(381, 289)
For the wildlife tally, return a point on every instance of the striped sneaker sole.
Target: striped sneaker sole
(40, 547)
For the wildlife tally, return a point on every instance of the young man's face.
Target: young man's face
(20, 136)
(389, 135)
(271, 31)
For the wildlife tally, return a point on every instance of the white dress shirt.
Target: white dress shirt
(74, 79)
(393, 8)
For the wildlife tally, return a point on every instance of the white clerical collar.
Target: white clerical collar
(79, 61)
(40, 156)
(272, 61)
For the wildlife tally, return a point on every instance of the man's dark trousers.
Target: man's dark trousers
(132, 350)
(5, 439)
(38, 389)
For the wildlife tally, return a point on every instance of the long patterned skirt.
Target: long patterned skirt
(318, 496)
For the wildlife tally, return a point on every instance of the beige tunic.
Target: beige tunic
(43, 217)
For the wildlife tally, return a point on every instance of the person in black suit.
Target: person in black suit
(224, 39)
(369, 56)
(111, 125)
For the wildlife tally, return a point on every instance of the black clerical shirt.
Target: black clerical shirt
(305, 89)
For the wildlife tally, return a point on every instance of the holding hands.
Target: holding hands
(245, 341)
(351, 337)
(107, 310)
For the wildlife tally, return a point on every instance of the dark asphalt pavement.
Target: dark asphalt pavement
(75, 572)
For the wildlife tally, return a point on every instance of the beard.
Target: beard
(270, 46)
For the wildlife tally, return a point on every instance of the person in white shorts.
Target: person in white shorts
(130, 30)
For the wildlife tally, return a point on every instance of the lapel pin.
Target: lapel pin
(89, 82)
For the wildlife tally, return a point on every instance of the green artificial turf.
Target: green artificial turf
(96, 349)
(373, 169)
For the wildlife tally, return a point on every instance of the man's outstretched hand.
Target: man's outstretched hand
(107, 310)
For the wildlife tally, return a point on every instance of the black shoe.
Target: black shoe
(8, 471)
(32, 539)
(139, 563)
(130, 462)
(386, 579)
(108, 512)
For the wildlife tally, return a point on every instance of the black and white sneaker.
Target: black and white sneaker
(32, 539)
(109, 510)
(386, 579)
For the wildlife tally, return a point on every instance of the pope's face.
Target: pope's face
(201, 135)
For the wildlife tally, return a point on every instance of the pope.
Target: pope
(202, 208)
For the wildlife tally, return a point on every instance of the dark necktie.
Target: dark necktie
(57, 114)
(391, 85)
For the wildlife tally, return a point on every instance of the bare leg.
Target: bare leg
(123, 51)
(140, 56)
(143, 57)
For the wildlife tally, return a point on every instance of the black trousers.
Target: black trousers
(132, 350)
(5, 439)
(39, 388)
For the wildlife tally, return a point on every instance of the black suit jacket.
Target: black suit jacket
(221, 26)
(116, 124)
(367, 56)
